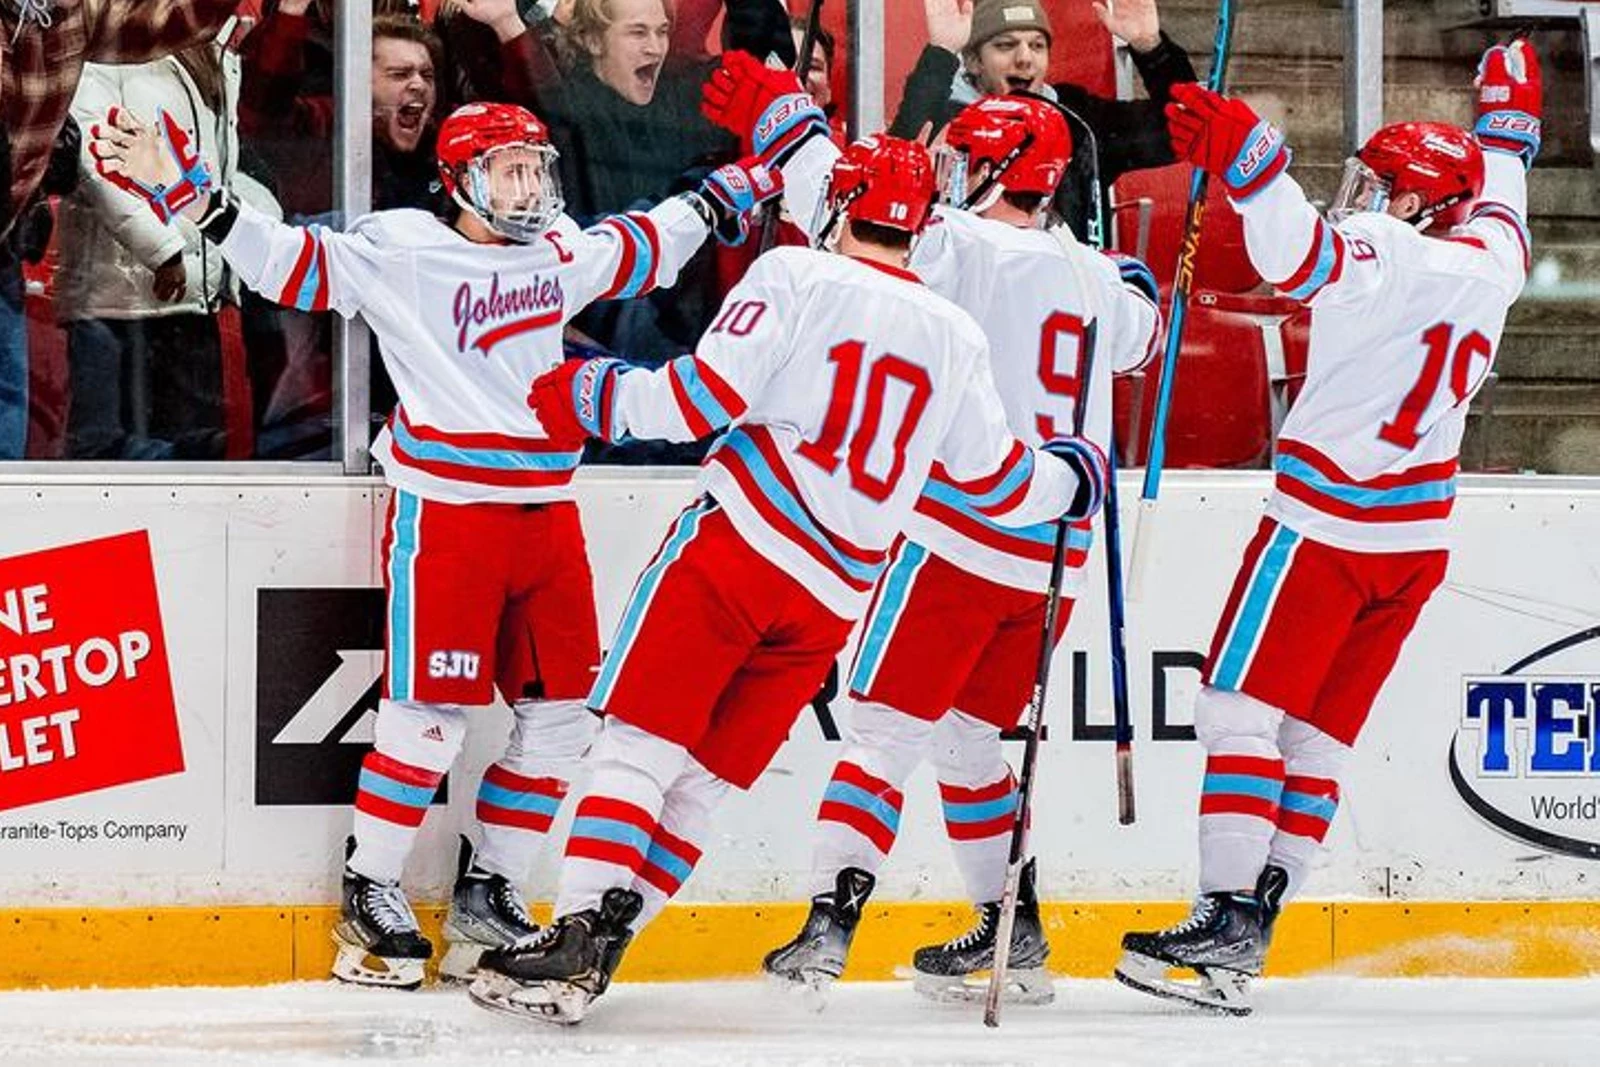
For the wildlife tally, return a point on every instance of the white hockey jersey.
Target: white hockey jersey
(464, 328)
(845, 382)
(1048, 305)
(1404, 330)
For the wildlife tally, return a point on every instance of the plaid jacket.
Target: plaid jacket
(39, 69)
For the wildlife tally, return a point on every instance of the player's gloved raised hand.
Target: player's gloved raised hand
(1089, 463)
(1226, 139)
(736, 191)
(1136, 275)
(576, 400)
(158, 164)
(766, 109)
(1510, 100)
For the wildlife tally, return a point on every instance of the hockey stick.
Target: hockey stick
(1116, 613)
(770, 221)
(1030, 751)
(1144, 520)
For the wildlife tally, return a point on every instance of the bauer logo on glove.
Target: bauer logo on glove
(158, 164)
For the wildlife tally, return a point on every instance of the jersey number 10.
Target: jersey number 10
(847, 358)
(1402, 430)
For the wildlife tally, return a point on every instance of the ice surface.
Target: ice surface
(1298, 1023)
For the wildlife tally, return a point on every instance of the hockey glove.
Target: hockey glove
(577, 400)
(1226, 139)
(157, 164)
(1088, 462)
(1510, 101)
(736, 191)
(765, 108)
(1136, 275)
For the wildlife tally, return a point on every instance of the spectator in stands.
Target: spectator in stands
(46, 48)
(818, 79)
(283, 114)
(1000, 46)
(139, 299)
(26, 243)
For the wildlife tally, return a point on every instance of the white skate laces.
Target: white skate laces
(975, 936)
(1204, 909)
(387, 907)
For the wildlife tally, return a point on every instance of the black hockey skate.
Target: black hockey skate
(816, 956)
(486, 911)
(557, 973)
(1223, 941)
(1271, 886)
(958, 970)
(379, 942)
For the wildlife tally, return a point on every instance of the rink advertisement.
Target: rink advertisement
(1526, 758)
(86, 698)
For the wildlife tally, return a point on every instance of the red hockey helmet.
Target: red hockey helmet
(1024, 139)
(497, 162)
(883, 180)
(1440, 162)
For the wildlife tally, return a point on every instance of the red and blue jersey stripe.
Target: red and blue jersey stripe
(481, 458)
(639, 260)
(705, 398)
(1424, 492)
(1323, 265)
(947, 505)
(753, 460)
(307, 286)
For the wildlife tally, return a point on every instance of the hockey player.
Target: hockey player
(950, 643)
(844, 380)
(1409, 279)
(485, 566)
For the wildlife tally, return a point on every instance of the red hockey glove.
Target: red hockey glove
(1510, 100)
(1226, 139)
(765, 108)
(575, 401)
(156, 164)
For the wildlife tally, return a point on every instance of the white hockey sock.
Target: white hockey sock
(1312, 764)
(1243, 784)
(631, 769)
(415, 745)
(681, 831)
(979, 796)
(859, 816)
(979, 821)
(521, 794)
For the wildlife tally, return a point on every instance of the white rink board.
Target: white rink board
(1526, 574)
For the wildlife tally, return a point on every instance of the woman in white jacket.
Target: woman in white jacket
(138, 299)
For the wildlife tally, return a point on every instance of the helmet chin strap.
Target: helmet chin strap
(988, 191)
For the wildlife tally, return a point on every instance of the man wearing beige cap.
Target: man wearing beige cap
(978, 47)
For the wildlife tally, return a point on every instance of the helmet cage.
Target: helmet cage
(953, 169)
(534, 207)
(1361, 189)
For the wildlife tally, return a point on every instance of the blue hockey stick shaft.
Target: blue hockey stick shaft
(1157, 452)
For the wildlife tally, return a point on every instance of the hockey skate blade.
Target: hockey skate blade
(810, 988)
(1218, 991)
(559, 1003)
(354, 965)
(1027, 987)
(460, 963)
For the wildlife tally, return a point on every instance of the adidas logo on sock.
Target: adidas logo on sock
(433, 733)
